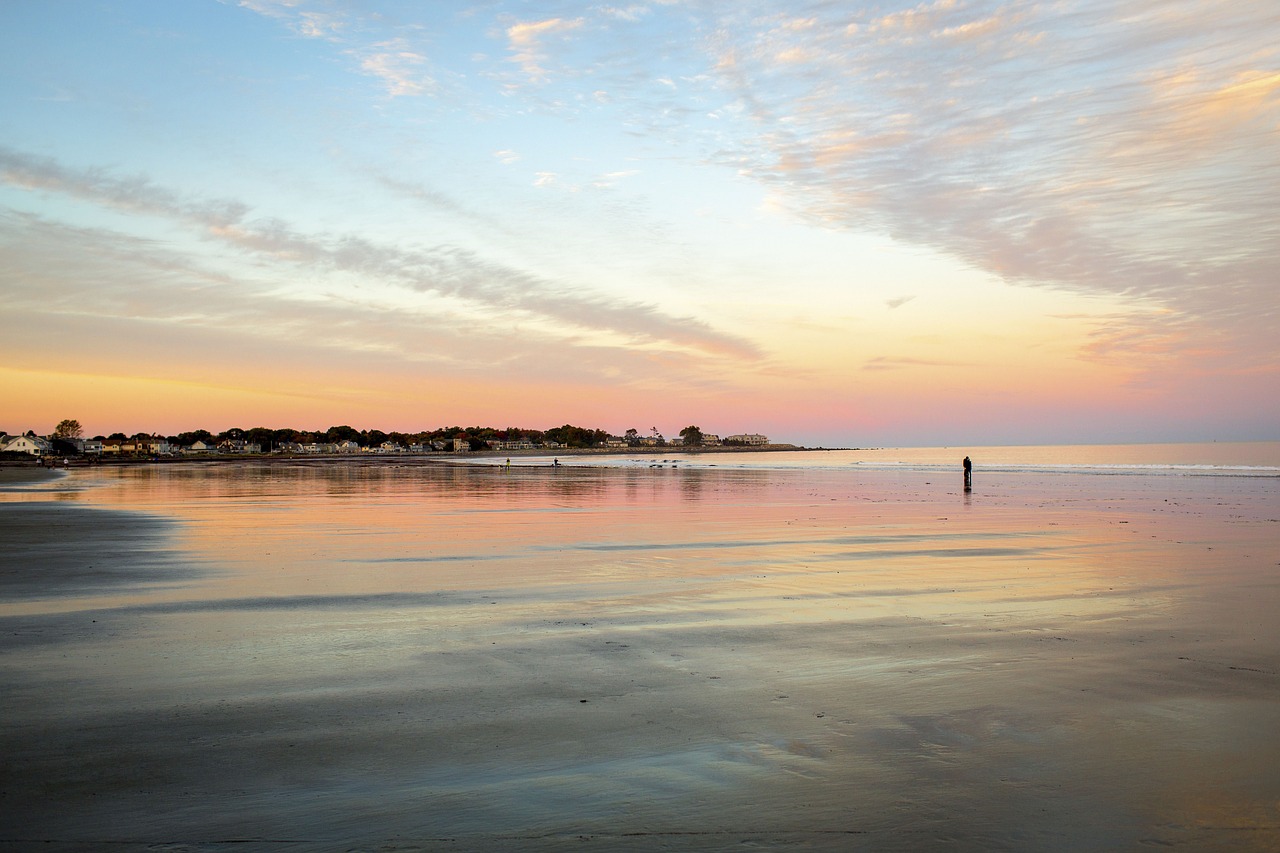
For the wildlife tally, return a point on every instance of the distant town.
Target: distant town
(67, 439)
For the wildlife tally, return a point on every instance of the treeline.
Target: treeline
(477, 436)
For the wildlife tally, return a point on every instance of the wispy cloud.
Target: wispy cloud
(123, 305)
(1124, 150)
(306, 22)
(400, 68)
(378, 51)
(885, 362)
(527, 43)
(442, 271)
(134, 193)
(433, 199)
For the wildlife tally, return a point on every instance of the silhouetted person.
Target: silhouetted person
(968, 474)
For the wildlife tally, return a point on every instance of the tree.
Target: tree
(282, 436)
(69, 428)
(186, 439)
(64, 447)
(261, 436)
(692, 436)
(576, 436)
(632, 437)
(335, 434)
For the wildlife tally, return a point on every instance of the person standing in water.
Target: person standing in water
(968, 474)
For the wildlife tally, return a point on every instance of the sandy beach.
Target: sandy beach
(441, 658)
(24, 475)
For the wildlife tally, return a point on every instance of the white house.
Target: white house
(318, 447)
(750, 439)
(34, 445)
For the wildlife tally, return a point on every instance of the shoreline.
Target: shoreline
(435, 456)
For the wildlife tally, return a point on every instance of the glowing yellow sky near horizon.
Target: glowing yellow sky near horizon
(944, 350)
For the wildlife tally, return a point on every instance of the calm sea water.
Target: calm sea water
(814, 650)
(1259, 458)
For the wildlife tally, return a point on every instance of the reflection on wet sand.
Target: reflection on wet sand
(447, 658)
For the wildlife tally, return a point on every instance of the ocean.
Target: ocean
(823, 650)
(1256, 458)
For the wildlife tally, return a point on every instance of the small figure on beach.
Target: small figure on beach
(508, 464)
(968, 474)
(555, 463)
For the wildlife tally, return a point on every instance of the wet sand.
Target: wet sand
(24, 475)
(456, 659)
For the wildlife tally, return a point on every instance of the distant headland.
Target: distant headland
(67, 440)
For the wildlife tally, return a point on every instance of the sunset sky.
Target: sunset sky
(835, 223)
